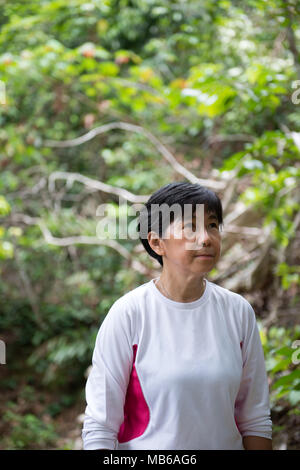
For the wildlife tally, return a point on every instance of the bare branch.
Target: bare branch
(31, 191)
(296, 138)
(28, 287)
(294, 135)
(277, 47)
(81, 239)
(216, 185)
(228, 138)
(245, 231)
(93, 184)
(290, 34)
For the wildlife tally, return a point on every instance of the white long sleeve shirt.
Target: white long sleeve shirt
(174, 375)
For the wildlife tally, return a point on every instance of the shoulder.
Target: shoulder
(222, 294)
(130, 299)
(124, 310)
(232, 303)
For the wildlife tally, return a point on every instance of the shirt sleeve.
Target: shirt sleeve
(252, 409)
(107, 382)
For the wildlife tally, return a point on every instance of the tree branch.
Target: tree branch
(213, 139)
(93, 184)
(215, 185)
(81, 239)
(28, 287)
(291, 36)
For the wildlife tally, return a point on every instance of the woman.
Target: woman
(178, 362)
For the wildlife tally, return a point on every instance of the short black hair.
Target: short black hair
(180, 193)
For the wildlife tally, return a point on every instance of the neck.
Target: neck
(188, 289)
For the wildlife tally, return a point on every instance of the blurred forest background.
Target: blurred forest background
(109, 98)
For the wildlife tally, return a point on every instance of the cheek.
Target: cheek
(179, 252)
(218, 247)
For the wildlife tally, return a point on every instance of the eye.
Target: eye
(214, 225)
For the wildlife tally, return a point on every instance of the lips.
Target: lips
(205, 255)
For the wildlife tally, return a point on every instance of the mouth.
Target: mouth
(205, 256)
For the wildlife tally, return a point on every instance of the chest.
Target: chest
(189, 350)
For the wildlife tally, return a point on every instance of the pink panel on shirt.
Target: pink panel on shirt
(136, 411)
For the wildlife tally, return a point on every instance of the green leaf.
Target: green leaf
(5, 208)
(287, 379)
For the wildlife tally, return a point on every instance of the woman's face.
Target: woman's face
(181, 245)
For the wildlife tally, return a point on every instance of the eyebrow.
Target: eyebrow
(211, 217)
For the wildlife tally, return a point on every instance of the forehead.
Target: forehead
(207, 214)
(200, 217)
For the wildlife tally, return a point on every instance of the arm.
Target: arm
(252, 410)
(257, 443)
(107, 382)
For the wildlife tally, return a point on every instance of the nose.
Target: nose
(203, 237)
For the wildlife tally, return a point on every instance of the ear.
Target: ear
(156, 243)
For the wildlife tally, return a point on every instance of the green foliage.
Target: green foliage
(28, 431)
(290, 275)
(6, 247)
(282, 355)
(269, 161)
